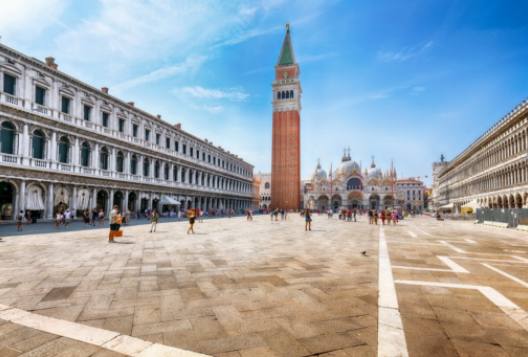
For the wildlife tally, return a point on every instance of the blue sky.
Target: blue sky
(398, 80)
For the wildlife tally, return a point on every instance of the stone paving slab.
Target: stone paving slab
(265, 288)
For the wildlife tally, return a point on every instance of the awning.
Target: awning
(472, 204)
(169, 201)
(447, 206)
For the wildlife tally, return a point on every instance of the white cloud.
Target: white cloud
(200, 92)
(24, 19)
(190, 64)
(403, 54)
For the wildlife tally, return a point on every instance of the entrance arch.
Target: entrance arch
(374, 201)
(388, 201)
(118, 200)
(132, 197)
(336, 202)
(355, 200)
(322, 203)
(7, 200)
(102, 199)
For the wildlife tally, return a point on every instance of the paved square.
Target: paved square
(265, 288)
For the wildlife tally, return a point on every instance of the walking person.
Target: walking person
(382, 216)
(371, 219)
(354, 214)
(249, 216)
(115, 223)
(58, 219)
(154, 218)
(191, 214)
(375, 215)
(67, 216)
(307, 220)
(100, 216)
(19, 221)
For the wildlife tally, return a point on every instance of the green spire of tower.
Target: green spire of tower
(287, 57)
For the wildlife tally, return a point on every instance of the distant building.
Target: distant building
(264, 190)
(492, 172)
(438, 167)
(411, 194)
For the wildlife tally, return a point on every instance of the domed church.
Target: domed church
(349, 186)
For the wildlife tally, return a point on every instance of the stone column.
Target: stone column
(74, 201)
(24, 143)
(21, 199)
(109, 202)
(49, 208)
(94, 199)
(75, 153)
(53, 146)
(95, 157)
(124, 209)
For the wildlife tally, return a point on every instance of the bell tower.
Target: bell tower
(286, 137)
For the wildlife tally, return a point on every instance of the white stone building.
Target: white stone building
(65, 144)
(492, 172)
(410, 194)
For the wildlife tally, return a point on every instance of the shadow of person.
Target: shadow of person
(124, 242)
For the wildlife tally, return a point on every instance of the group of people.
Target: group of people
(63, 218)
(385, 215)
(347, 215)
(276, 212)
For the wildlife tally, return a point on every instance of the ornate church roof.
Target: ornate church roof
(287, 57)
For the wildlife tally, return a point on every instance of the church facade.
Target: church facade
(351, 186)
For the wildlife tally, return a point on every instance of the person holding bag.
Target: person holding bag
(115, 224)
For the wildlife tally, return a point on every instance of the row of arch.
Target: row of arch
(517, 200)
(354, 200)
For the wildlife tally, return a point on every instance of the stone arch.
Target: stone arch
(118, 200)
(323, 203)
(8, 196)
(8, 137)
(374, 201)
(518, 201)
(61, 201)
(101, 200)
(336, 202)
(35, 199)
(388, 201)
(38, 144)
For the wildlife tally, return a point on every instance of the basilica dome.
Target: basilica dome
(319, 174)
(349, 168)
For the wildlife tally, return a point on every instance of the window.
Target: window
(166, 172)
(40, 95)
(203, 156)
(158, 138)
(104, 117)
(38, 144)
(191, 150)
(267, 185)
(156, 169)
(85, 154)
(103, 159)
(7, 138)
(121, 125)
(146, 167)
(184, 149)
(147, 134)
(134, 130)
(87, 112)
(64, 150)
(133, 165)
(65, 105)
(175, 173)
(176, 146)
(209, 158)
(214, 160)
(167, 143)
(9, 84)
(120, 161)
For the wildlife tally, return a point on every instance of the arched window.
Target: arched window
(282, 95)
(120, 162)
(287, 94)
(354, 184)
(7, 138)
(133, 165)
(64, 150)
(103, 159)
(175, 173)
(291, 94)
(38, 143)
(156, 169)
(146, 167)
(85, 154)
(183, 174)
(267, 185)
(166, 171)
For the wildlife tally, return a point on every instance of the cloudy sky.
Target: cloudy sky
(398, 80)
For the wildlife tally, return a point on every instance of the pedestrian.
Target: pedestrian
(370, 216)
(249, 216)
(100, 216)
(354, 213)
(67, 216)
(388, 215)
(94, 216)
(375, 214)
(307, 220)
(58, 219)
(115, 223)
(349, 215)
(191, 215)
(86, 216)
(154, 218)
(200, 215)
(382, 216)
(19, 221)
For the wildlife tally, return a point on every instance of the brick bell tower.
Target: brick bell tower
(286, 140)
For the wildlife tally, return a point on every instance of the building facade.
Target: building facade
(65, 144)
(286, 133)
(264, 190)
(493, 171)
(351, 187)
(411, 194)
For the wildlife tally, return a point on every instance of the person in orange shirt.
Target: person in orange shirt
(191, 214)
